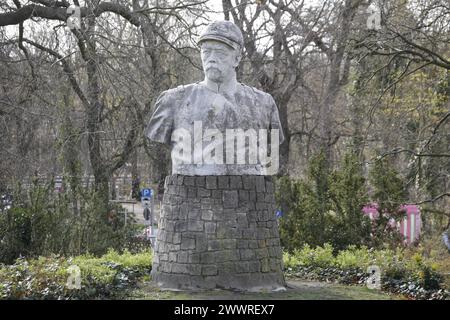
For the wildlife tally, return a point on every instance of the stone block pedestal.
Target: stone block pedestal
(218, 232)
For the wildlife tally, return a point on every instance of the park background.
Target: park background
(363, 93)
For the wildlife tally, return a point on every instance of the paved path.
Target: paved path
(297, 290)
(138, 210)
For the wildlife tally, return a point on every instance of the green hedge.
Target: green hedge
(403, 272)
(46, 277)
(42, 223)
(109, 276)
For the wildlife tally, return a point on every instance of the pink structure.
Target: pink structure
(371, 210)
(409, 226)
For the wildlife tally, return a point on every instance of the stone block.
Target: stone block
(261, 197)
(173, 247)
(242, 244)
(227, 255)
(200, 181)
(180, 226)
(242, 267)
(261, 253)
(270, 197)
(187, 244)
(201, 243)
(164, 257)
(203, 193)
(247, 254)
(207, 258)
(275, 265)
(214, 245)
(265, 267)
(192, 192)
(253, 244)
(207, 215)
(230, 199)
(235, 182)
(254, 266)
(179, 268)
(243, 195)
(172, 257)
(229, 243)
(189, 181)
(182, 257)
(194, 270)
(260, 206)
(223, 182)
(210, 227)
(227, 268)
(195, 225)
(195, 215)
(209, 270)
(262, 243)
(249, 233)
(177, 180)
(269, 186)
(211, 182)
(181, 193)
(260, 184)
(248, 182)
(176, 239)
(194, 258)
(242, 221)
(217, 194)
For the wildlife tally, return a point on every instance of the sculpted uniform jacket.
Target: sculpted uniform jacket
(185, 111)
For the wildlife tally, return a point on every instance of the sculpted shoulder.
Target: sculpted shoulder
(260, 96)
(177, 93)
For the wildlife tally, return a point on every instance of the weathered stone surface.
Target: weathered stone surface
(230, 199)
(260, 184)
(209, 270)
(235, 182)
(211, 182)
(216, 194)
(217, 238)
(190, 181)
(203, 193)
(249, 182)
(223, 182)
(210, 227)
(194, 225)
(243, 195)
(188, 244)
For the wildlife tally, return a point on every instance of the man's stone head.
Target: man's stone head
(221, 44)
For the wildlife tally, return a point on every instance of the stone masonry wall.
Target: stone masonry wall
(218, 232)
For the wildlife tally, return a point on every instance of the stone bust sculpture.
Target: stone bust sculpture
(217, 227)
(202, 121)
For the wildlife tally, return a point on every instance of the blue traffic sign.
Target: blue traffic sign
(279, 213)
(147, 193)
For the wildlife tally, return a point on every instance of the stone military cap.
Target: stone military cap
(223, 31)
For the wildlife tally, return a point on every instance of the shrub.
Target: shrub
(389, 192)
(413, 275)
(44, 223)
(353, 257)
(46, 278)
(324, 207)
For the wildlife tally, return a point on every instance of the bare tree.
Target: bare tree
(90, 86)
